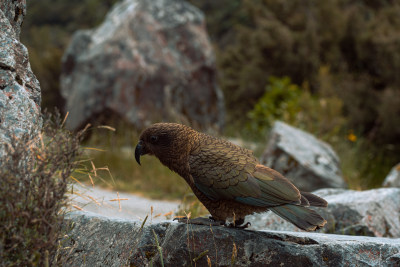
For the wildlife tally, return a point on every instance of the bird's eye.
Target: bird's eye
(153, 138)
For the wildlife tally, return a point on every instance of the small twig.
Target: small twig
(65, 118)
(106, 127)
(201, 255)
(119, 202)
(118, 199)
(234, 254)
(95, 149)
(145, 219)
(94, 169)
(208, 261)
(76, 207)
(158, 248)
(168, 214)
(91, 180)
(95, 201)
(76, 180)
(215, 244)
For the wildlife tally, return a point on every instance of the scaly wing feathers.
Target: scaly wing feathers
(222, 170)
(275, 189)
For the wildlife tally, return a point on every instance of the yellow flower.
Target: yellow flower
(351, 136)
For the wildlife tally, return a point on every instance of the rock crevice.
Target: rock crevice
(19, 89)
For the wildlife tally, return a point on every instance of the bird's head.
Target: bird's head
(166, 141)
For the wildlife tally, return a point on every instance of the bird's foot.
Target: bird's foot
(200, 221)
(238, 224)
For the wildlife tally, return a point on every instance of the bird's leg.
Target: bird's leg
(200, 221)
(239, 224)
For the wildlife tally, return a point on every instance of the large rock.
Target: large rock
(14, 12)
(308, 162)
(19, 88)
(393, 178)
(100, 241)
(373, 213)
(148, 61)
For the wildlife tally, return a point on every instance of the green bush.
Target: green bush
(364, 165)
(358, 41)
(320, 114)
(221, 18)
(279, 102)
(34, 178)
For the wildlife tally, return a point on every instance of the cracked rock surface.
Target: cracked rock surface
(19, 89)
(102, 241)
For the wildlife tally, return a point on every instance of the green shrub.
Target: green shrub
(34, 175)
(357, 40)
(364, 165)
(279, 102)
(221, 18)
(320, 114)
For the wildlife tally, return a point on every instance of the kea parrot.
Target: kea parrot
(229, 181)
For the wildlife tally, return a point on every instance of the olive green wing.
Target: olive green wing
(222, 170)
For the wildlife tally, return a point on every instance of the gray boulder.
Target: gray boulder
(370, 213)
(393, 178)
(19, 88)
(100, 241)
(14, 12)
(148, 61)
(308, 162)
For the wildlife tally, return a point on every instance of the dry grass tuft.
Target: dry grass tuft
(34, 178)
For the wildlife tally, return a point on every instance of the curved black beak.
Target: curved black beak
(139, 151)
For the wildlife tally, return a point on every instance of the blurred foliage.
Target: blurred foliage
(34, 179)
(328, 67)
(358, 41)
(364, 166)
(280, 101)
(320, 114)
(221, 18)
(47, 30)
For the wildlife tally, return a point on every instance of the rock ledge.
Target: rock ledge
(101, 241)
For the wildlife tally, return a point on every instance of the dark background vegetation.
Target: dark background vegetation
(329, 67)
(46, 32)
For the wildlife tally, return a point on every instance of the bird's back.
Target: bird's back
(220, 163)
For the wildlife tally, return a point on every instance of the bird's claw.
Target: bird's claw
(238, 226)
(199, 221)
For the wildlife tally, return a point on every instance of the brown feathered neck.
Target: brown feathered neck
(171, 143)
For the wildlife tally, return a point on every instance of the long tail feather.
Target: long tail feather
(304, 218)
(314, 200)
